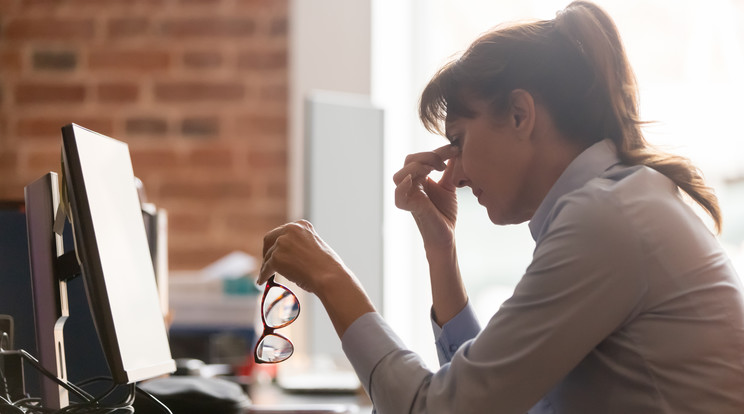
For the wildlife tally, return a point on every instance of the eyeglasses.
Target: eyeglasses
(279, 308)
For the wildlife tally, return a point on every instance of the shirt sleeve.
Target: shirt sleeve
(582, 285)
(370, 340)
(458, 330)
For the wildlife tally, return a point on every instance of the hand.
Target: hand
(432, 204)
(295, 251)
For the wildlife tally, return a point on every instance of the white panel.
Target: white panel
(343, 178)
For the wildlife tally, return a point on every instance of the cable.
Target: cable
(157, 402)
(67, 385)
(94, 379)
(4, 384)
(33, 406)
(88, 405)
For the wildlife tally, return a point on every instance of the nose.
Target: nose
(453, 173)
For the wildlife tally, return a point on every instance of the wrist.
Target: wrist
(330, 281)
(344, 299)
(441, 256)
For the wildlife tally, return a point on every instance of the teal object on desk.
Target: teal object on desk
(239, 286)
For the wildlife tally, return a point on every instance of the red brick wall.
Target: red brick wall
(197, 88)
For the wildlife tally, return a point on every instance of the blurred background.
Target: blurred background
(212, 97)
(198, 89)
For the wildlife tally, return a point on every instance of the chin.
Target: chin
(501, 219)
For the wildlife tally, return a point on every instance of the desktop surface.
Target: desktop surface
(270, 399)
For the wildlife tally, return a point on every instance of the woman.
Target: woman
(629, 304)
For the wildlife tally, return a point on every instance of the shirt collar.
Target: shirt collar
(589, 164)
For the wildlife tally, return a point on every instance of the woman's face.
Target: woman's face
(494, 161)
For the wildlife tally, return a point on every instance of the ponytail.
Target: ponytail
(593, 28)
(576, 66)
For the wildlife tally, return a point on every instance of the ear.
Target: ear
(522, 112)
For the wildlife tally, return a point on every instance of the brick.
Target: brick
(10, 60)
(274, 93)
(118, 92)
(211, 157)
(13, 188)
(8, 7)
(263, 60)
(51, 127)
(50, 28)
(49, 93)
(108, 5)
(251, 221)
(257, 5)
(41, 161)
(150, 159)
(8, 161)
(99, 6)
(277, 190)
(54, 60)
(263, 124)
(146, 126)
(187, 222)
(223, 189)
(127, 27)
(278, 27)
(39, 3)
(180, 258)
(266, 159)
(200, 127)
(199, 91)
(140, 60)
(210, 3)
(202, 59)
(209, 27)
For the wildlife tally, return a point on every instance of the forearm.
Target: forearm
(447, 290)
(344, 300)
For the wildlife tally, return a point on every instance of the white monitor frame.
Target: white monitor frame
(112, 248)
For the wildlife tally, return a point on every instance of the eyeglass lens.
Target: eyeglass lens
(279, 308)
(274, 348)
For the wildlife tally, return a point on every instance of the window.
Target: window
(689, 61)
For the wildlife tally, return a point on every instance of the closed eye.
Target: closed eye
(455, 142)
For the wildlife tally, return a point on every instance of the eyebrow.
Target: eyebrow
(448, 128)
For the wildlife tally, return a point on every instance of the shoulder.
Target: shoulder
(608, 215)
(620, 198)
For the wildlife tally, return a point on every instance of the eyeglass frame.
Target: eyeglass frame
(268, 330)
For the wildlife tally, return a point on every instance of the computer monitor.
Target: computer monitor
(68, 342)
(101, 200)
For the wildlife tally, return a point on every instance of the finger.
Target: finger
(409, 196)
(446, 181)
(308, 225)
(446, 152)
(431, 158)
(425, 161)
(416, 171)
(422, 163)
(267, 268)
(271, 236)
(402, 192)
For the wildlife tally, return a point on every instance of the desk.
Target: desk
(266, 396)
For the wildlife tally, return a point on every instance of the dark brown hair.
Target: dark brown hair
(576, 66)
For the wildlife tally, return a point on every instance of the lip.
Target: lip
(477, 193)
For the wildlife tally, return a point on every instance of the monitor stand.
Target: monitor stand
(49, 289)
